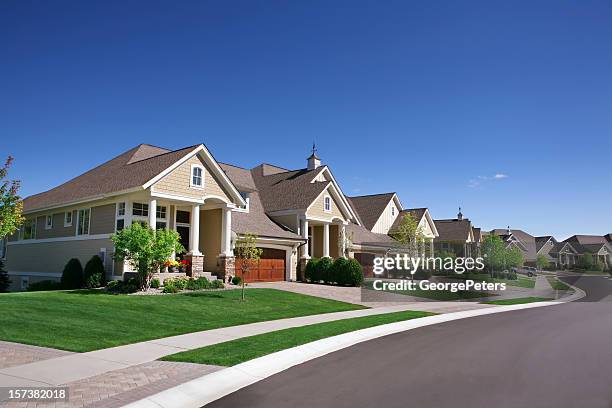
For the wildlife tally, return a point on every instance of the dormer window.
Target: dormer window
(327, 206)
(197, 176)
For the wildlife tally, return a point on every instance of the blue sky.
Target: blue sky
(504, 108)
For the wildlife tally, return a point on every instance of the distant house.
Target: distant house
(455, 235)
(598, 246)
(520, 239)
(477, 244)
(560, 254)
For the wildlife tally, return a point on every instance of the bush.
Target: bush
(355, 273)
(155, 284)
(94, 274)
(122, 287)
(598, 266)
(169, 286)
(322, 271)
(217, 284)
(44, 285)
(310, 270)
(340, 271)
(5, 282)
(72, 275)
(422, 274)
(236, 280)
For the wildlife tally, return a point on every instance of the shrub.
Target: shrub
(94, 274)
(72, 275)
(236, 280)
(322, 272)
(339, 271)
(422, 274)
(200, 283)
(355, 273)
(44, 285)
(598, 266)
(169, 286)
(217, 284)
(155, 284)
(310, 270)
(122, 287)
(5, 282)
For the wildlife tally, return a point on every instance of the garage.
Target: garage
(271, 267)
(367, 262)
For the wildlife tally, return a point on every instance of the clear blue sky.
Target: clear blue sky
(428, 99)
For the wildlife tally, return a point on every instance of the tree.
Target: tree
(541, 262)
(493, 249)
(11, 206)
(247, 254)
(513, 258)
(585, 261)
(146, 249)
(409, 234)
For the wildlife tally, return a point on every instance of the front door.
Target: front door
(184, 236)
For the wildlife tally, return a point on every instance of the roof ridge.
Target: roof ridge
(372, 195)
(162, 154)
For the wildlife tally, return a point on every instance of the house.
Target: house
(598, 246)
(477, 244)
(560, 254)
(455, 235)
(520, 239)
(183, 189)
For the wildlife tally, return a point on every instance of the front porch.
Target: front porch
(325, 238)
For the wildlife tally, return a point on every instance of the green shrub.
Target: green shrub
(217, 284)
(310, 270)
(355, 273)
(322, 270)
(113, 284)
(155, 284)
(94, 274)
(203, 283)
(339, 271)
(44, 285)
(72, 275)
(422, 274)
(598, 266)
(5, 281)
(122, 287)
(236, 280)
(169, 286)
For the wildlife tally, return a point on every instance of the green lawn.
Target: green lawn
(521, 282)
(557, 284)
(89, 320)
(247, 348)
(516, 301)
(439, 295)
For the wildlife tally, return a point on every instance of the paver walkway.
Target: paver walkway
(14, 354)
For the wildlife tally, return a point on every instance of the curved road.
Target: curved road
(557, 356)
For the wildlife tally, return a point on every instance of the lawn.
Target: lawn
(89, 320)
(517, 301)
(247, 348)
(521, 281)
(439, 295)
(557, 284)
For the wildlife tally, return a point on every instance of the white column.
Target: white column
(194, 239)
(226, 233)
(152, 213)
(431, 247)
(343, 243)
(128, 213)
(304, 231)
(325, 240)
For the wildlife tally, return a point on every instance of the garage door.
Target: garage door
(367, 262)
(271, 267)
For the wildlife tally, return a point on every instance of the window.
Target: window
(83, 222)
(25, 282)
(48, 222)
(161, 212)
(29, 229)
(327, 204)
(392, 211)
(120, 224)
(196, 176)
(68, 219)
(183, 217)
(140, 209)
(160, 225)
(245, 197)
(120, 209)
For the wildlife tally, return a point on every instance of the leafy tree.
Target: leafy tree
(5, 282)
(541, 262)
(585, 261)
(146, 249)
(248, 255)
(11, 205)
(513, 257)
(493, 250)
(409, 234)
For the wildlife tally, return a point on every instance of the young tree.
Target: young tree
(247, 256)
(11, 205)
(146, 249)
(514, 257)
(585, 261)
(541, 262)
(493, 249)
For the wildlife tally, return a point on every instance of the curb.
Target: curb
(211, 387)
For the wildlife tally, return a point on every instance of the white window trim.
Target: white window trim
(330, 204)
(193, 166)
(121, 217)
(66, 223)
(47, 218)
(140, 217)
(244, 209)
(79, 221)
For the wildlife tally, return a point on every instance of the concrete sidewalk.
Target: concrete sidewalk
(78, 366)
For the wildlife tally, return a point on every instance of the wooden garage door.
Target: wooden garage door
(271, 267)
(367, 262)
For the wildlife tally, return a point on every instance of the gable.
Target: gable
(317, 210)
(387, 217)
(178, 182)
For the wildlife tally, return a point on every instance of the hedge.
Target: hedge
(343, 272)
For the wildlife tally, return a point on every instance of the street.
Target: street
(557, 356)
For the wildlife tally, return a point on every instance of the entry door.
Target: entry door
(184, 234)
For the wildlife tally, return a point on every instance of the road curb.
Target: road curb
(211, 387)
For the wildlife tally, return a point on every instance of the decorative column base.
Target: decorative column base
(197, 265)
(226, 266)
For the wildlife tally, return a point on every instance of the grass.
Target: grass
(439, 295)
(517, 301)
(521, 281)
(557, 284)
(247, 348)
(90, 320)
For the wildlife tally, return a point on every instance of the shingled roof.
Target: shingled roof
(416, 213)
(453, 230)
(363, 236)
(527, 240)
(370, 207)
(127, 171)
(541, 241)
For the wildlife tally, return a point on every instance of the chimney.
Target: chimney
(313, 161)
(459, 215)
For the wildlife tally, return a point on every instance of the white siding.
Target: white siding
(386, 220)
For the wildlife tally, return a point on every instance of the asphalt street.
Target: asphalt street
(557, 356)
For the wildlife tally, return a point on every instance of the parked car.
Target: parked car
(528, 270)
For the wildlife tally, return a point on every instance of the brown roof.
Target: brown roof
(370, 207)
(453, 230)
(242, 178)
(587, 239)
(128, 170)
(477, 234)
(363, 236)
(541, 241)
(416, 213)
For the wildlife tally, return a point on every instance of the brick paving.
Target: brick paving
(14, 354)
(120, 387)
